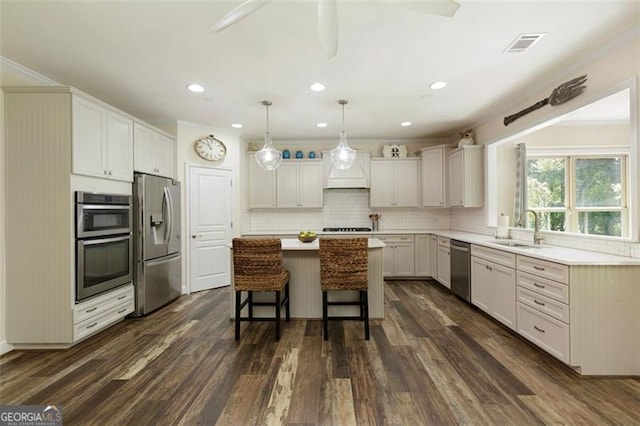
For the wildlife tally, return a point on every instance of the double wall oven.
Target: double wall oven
(104, 246)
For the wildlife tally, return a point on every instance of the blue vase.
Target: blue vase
(312, 154)
(286, 154)
(299, 154)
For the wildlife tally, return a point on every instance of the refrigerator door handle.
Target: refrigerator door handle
(169, 212)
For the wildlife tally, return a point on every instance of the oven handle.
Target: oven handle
(104, 207)
(104, 240)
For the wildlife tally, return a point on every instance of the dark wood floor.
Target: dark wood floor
(433, 360)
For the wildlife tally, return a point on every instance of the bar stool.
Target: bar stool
(258, 266)
(344, 266)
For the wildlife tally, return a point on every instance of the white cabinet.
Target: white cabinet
(299, 184)
(152, 152)
(433, 162)
(262, 185)
(102, 141)
(101, 311)
(394, 182)
(493, 283)
(423, 255)
(433, 239)
(466, 176)
(398, 256)
(444, 262)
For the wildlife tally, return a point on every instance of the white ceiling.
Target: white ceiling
(140, 55)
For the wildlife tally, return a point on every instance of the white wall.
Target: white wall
(11, 74)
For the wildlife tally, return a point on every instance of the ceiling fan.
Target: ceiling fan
(328, 16)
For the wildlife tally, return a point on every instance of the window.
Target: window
(579, 193)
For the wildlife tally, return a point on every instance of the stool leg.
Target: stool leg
(286, 306)
(366, 315)
(361, 293)
(251, 306)
(325, 319)
(238, 297)
(278, 309)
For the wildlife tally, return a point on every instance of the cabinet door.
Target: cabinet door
(423, 255)
(310, 184)
(403, 259)
(434, 256)
(163, 155)
(481, 285)
(119, 147)
(405, 183)
(382, 187)
(456, 178)
(89, 138)
(504, 295)
(388, 261)
(287, 184)
(433, 178)
(262, 186)
(444, 266)
(142, 149)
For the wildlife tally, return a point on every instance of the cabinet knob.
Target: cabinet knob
(194, 236)
(110, 173)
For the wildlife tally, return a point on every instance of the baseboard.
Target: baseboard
(5, 347)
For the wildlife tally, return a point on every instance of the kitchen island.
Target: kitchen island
(303, 262)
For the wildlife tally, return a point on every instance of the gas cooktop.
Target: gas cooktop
(346, 229)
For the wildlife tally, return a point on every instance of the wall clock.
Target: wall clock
(210, 148)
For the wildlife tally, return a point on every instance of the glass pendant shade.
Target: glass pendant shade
(343, 156)
(268, 158)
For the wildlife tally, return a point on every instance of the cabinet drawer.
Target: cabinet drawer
(543, 268)
(443, 241)
(94, 324)
(395, 238)
(98, 305)
(546, 287)
(546, 332)
(544, 304)
(497, 256)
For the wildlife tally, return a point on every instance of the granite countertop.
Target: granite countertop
(563, 255)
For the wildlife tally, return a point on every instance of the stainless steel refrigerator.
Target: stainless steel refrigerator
(156, 231)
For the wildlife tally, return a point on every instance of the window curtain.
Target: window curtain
(521, 183)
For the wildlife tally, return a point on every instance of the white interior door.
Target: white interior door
(210, 228)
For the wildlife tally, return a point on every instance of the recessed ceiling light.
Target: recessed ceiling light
(195, 88)
(406, 123)
(321, 125)
(236, 126)
(317, 87)
(438, 85)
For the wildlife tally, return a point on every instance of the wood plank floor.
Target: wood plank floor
(433, 360)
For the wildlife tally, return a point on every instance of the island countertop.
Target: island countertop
(296, 244)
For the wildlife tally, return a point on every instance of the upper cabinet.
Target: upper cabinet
(466, 176)
(102, 141)
(153, 152)
(294, 184)
(434, 176)
(299, 184)
(394, 182)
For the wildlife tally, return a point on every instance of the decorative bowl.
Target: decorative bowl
(307, 239)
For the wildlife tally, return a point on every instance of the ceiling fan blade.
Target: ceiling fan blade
(238, 13)
(432, 7)
(328, 26)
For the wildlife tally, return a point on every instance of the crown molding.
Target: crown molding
(26, 72)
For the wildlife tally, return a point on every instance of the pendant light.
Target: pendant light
(268, 157)
(343, 156)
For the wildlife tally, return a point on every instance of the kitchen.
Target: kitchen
(350, 207)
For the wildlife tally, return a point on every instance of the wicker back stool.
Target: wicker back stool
(258, 266)
(344, 266)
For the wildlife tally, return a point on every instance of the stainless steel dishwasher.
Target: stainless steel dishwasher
(461, 269)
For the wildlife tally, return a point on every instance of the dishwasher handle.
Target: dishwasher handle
(460, 246)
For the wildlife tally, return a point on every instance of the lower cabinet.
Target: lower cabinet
(398, 256)
(423, 256)
(444, 262)
(101, 311)
(493, 285)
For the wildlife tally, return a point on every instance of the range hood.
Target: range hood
(357, 176)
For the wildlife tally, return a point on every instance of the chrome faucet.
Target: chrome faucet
(537, 238)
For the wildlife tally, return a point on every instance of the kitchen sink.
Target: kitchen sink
(516, 244)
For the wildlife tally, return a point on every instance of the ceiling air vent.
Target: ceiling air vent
(523, 42)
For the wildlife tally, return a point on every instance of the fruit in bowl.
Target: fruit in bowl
(307, 236)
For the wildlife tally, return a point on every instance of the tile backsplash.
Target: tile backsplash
(348, 207)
